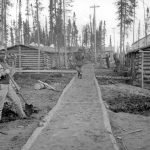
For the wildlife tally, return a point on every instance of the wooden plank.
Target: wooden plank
(114, 77)
(145, 72)
(146, 68)
(147, 76)
(47, 71)
(47, 85)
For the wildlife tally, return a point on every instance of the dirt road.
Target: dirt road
(78, 122)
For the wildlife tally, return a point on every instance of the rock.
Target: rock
(39, 86)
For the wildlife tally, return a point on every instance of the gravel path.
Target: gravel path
(78, 122)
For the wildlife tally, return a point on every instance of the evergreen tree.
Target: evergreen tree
(74, 31)
(100, 36)
(56, 22)
(11, 36)
(125, 16)
(85, 35)
(46, 33)
(27, 30)
(69, 29)
(103, 35)
(19, 23)
(5, 4)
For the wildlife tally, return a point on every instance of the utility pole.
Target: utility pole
(5, 26)
(145, 24)
(134, 21)
(38, 28)
(64, 9)
(114, 38)
(94, 27)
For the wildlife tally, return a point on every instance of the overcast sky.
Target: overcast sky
(106, 11)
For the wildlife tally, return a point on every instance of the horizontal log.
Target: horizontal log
(139, 72)
(114, 77)
(47, 71)
(144, 51)
(145, 64)
(144, 68)
(147, 76)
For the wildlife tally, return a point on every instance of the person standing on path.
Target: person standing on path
(117, 63)
(107, 60)
(79, 57)
(6, 89)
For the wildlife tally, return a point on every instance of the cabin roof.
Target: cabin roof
(144, 48)
(47, 49)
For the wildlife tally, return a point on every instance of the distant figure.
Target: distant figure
(107, 60)
(117, 62)
(79, 57)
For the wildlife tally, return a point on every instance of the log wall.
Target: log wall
(139, 65)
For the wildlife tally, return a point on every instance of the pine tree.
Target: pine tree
(51, 21)
(69, 28)
(11, 36)
(100, 35)
(103, 35)
(20, 23)
(125, 16)
(86, 35)
(74, 31)
(27, 30)
(55, 21)
(5, 6)
(46, 33)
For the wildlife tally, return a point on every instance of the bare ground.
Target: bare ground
(129, 111)
(14, 134)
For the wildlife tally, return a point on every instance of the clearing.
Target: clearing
(14, 134)
(129, 111)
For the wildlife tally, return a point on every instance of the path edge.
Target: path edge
(106, 116)
(46, 119)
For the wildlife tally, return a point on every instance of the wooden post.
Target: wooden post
(38, 28)
(19, 57)
(142, 72)
(64, 15)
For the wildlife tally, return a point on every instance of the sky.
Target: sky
(106, 11)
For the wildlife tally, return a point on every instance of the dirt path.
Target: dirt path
(78, 123)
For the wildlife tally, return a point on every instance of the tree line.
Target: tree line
(25, 30)
(88, 35)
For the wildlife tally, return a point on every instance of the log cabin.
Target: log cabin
(138, 63)
(27, 57)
